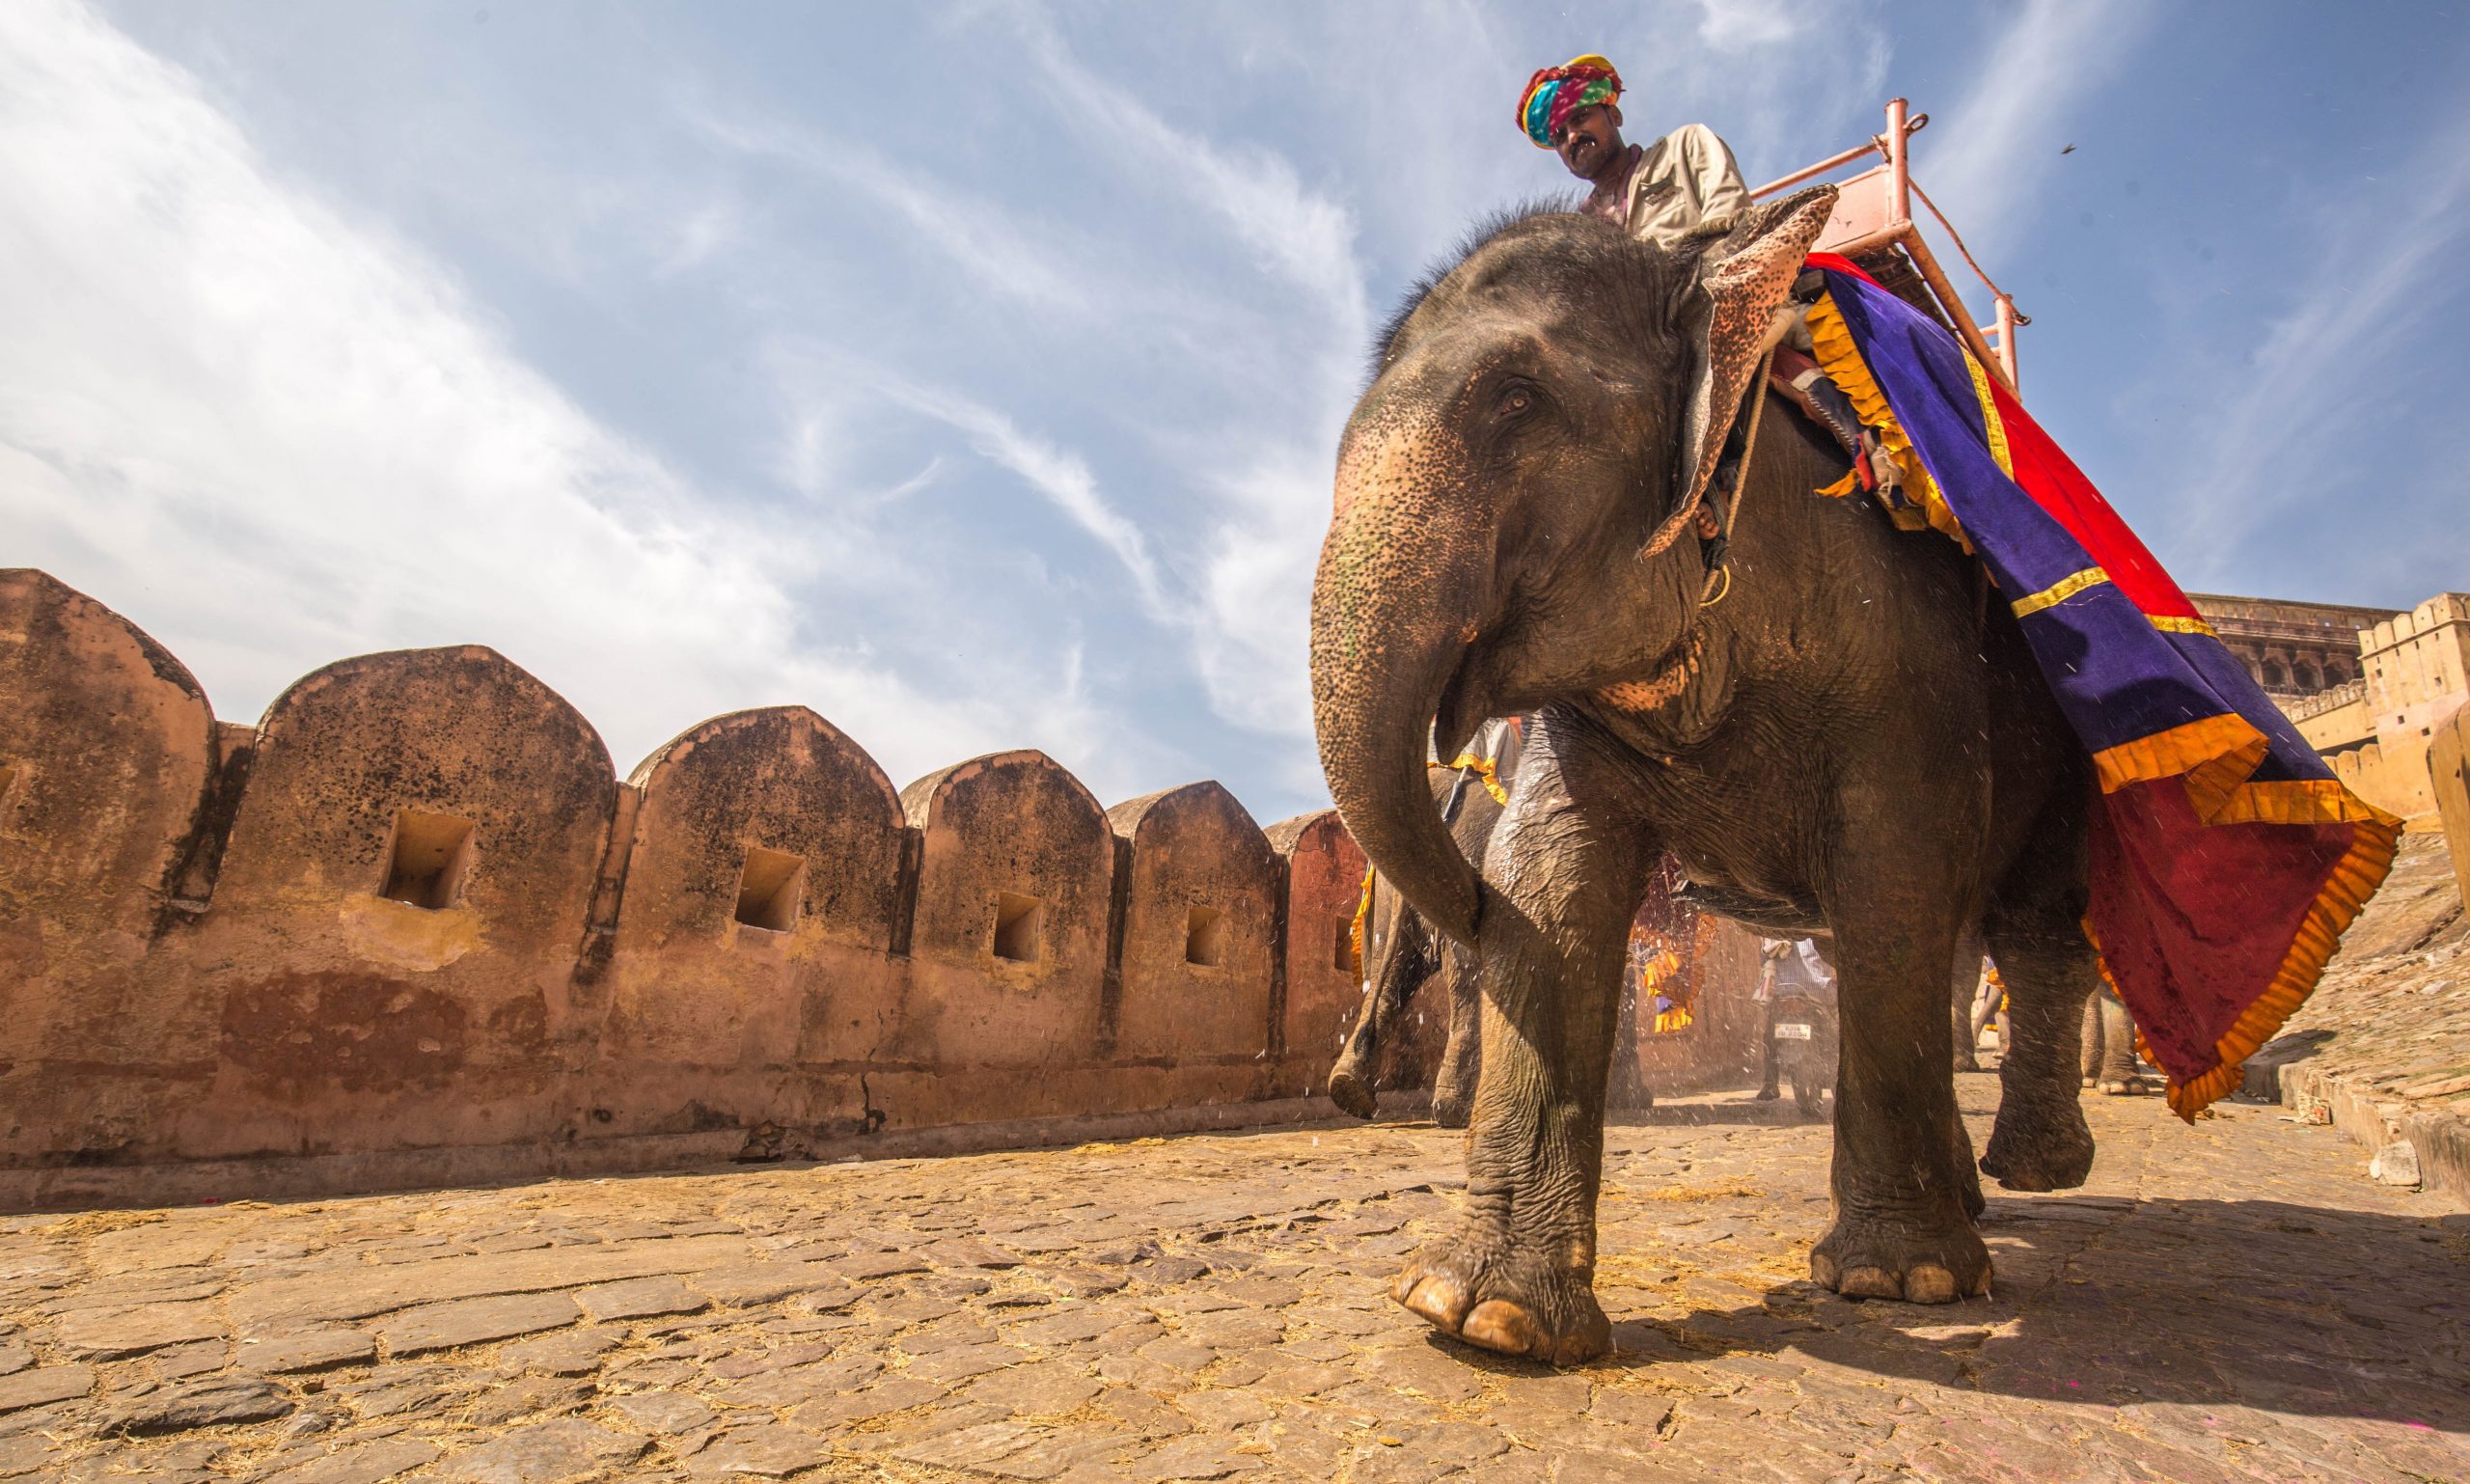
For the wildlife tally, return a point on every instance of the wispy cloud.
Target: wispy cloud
(1742, 25)
(999, 254)
(2331, 357)
(1985, 157)
(277, 436)
(1305, 236)
(1062, 477)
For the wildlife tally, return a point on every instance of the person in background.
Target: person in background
(1989, 1005)
(1790, 967)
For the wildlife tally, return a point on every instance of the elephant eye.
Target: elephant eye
(1516, 401)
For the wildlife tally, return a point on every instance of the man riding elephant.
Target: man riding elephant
(1679, 189)
(1684, 189)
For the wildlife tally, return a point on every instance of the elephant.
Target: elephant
(2110, 1064)
(1401, 954)
(1404, 955)
(1826, 720)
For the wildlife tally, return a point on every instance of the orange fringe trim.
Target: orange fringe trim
(1841, 359)
(2354, 879)
(1355, 934)
(2214, 758)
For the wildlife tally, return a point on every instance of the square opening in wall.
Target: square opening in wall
(772, 889)
(431, 855)
(1343, 958)
(1204, 936)
(1020, 928)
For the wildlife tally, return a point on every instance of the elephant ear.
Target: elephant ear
(1745, 275)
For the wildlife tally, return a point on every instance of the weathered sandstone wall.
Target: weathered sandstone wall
(413, 927)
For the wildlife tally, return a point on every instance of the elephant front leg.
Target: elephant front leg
(1903, 1189)
(1351, 1078)
(1398, 955)
(1518, 1275)
(1462, 1059)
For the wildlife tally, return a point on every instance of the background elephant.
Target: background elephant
(1519, 524)
(1402, 954)
(2110, 1061)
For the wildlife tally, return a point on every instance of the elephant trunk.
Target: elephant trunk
(1392, 619)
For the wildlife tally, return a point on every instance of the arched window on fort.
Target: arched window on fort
(2274, 677)
(2337, 672)
(2310, 678)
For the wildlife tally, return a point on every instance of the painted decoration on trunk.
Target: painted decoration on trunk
(2227, 859)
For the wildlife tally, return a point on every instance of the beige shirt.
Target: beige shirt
(1684, 187)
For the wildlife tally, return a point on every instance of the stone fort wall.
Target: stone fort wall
(412, 927)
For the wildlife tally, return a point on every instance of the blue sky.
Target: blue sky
(973, 372)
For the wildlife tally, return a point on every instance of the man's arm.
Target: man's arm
(1714, 177)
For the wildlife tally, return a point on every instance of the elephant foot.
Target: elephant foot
(1872, 1259)
(2122, 1087)
(2041, 1153)
(1476, 1292)
(1451, 1109)
(1968, 1192)
(1353, 1094)
(2091, 1080)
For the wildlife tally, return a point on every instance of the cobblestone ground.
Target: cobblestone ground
(2226, 1301)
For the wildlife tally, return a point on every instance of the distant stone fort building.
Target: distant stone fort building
(2369, 687)
(2293, 649)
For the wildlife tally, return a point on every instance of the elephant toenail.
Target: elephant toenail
(1496, 1324)
(1438, 1300)
(1926, 1282)
(1981, 1285)
(1585, 1343)
(1823, 1270)
(1870, 1283)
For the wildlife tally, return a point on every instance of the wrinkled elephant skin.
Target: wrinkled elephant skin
(1856, 731)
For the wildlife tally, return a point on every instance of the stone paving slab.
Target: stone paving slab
(2226, 1301)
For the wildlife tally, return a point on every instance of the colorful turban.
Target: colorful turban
(1556, 93)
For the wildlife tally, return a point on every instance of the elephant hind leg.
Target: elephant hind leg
(2094, 1045)
(2034, 930)
(1462, 1057)
(2117, 1071)
(2041, 1141)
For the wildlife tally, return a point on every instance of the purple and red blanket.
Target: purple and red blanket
(2226, 858)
